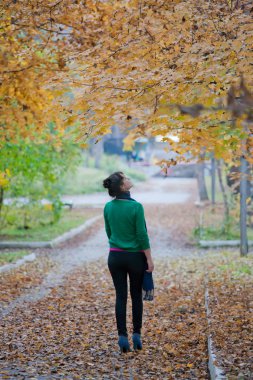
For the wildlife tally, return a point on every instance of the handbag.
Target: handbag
(147, 285)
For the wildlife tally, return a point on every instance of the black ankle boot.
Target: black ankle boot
(123, 344)
(137, 341)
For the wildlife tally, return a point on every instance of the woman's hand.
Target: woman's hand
(150, 265)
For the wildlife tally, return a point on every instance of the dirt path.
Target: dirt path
(64, 326)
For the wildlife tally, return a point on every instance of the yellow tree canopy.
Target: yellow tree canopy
(155, 53)
(38, 41)
(126, 62)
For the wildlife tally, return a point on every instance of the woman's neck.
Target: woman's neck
(124, 194)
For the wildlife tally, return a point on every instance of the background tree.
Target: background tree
(35, 171)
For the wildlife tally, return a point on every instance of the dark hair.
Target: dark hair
(113, 183)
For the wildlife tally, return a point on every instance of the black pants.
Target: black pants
(120, 264)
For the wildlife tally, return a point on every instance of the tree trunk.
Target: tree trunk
(203, 196)
(1, 198)
(213, 172)
(243, 207)
(224, 194)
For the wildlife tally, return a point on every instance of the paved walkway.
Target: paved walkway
(155, 191)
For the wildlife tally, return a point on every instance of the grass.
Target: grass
(12, 257)
(87, 180)
(217, 233)
(84, 181)
(237, 269)
(212, 224)
(70, 219)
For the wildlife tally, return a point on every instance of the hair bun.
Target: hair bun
(107, 183)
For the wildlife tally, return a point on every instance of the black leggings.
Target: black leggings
(120, 264)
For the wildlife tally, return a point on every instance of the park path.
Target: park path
(164, 224)
(78, 280)
(157, 190)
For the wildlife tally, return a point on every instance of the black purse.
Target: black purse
(148, 285)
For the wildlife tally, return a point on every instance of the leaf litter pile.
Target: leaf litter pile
(15, 282)
(72, 332)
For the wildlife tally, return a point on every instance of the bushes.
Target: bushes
(34, 172)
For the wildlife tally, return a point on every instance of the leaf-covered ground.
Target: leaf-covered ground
(25, 277)
(70, 332)
(30, 275)
(230, 288)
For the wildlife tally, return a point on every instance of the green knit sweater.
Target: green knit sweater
(125, 225)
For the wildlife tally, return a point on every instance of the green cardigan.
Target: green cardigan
(125, 225)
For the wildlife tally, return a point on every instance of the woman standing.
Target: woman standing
(129, 254)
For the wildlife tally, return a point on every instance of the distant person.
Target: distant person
(129, 157)
(134, 156)
(141, 155)
(129, 254)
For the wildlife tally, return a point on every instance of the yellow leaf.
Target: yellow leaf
(7, 171)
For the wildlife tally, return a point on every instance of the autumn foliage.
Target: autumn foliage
(38, 41)
(100, 63)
